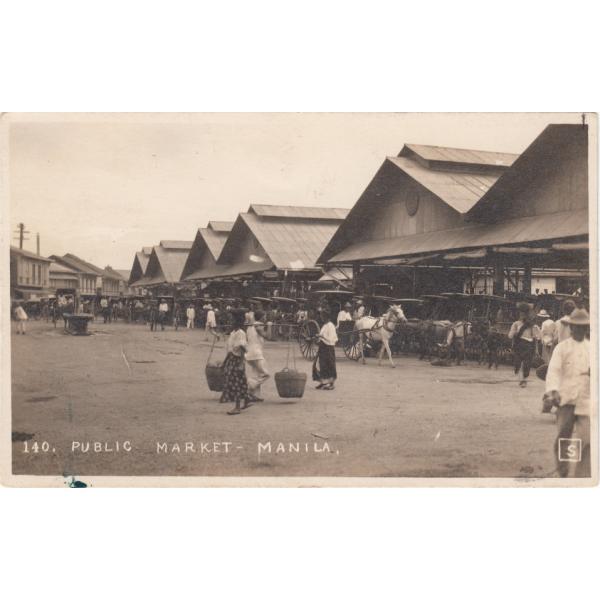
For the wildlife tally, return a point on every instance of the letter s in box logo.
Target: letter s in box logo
(569, 449)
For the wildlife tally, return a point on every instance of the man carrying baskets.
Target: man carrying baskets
(256, 364)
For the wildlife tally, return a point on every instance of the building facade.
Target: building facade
(29, 274)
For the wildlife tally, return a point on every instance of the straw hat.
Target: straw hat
(347, 305)
(544, 314)
(579, 316)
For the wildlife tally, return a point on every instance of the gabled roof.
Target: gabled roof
(112, 272)
(28, 254)
(166, 263)
(298, 212)
(62, 271)
(544, 149)
(206, 249)
(293, 242)
(442, 155)
(140, 263)
(458, 177)
(220, 226)
(175, 245)
(78, 264)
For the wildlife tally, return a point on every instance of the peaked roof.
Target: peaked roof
(140, 263)
(546, 147)
(79, 265)
(56, 267)
(22, 252)
(456, 176)
(206, 248)
(298, 212)
(124, 273)
(112, 272)
(166, 263)
(292, 242)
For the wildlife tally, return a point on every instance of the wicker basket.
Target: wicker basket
(215, 377)
(290, 384)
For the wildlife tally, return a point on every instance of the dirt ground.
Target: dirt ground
(141, 401)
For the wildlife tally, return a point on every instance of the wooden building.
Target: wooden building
(432, 215)
(29, 274)
(273, 249)
(63, 278)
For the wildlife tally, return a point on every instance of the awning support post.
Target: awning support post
(499, 276)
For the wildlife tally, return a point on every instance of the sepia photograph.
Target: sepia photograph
(300, 299)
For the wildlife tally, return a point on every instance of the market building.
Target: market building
(437, 219)
(205, 251)
(165, 265)
(272, 250)
(140, 262)
(29, 274)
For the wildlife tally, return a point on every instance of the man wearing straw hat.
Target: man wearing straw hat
(568, 388)
(211, 322)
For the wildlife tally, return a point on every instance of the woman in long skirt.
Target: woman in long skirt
(326, 373)
(235, 388)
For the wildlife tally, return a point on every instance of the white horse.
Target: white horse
(380, 329)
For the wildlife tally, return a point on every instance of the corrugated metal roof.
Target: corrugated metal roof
(299, 212)
(220, 226)
(166, 264)
(523, 230)
(29, 254)
(460, 190)
(337, 274)
(463, 155)
(214, 240)
(175, 245)
(241, 268)
(290, 244)
(56, 267)
(78, 264)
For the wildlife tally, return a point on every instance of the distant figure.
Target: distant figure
(360, 310)
(190, 313)
(21, 317)
(568, 388)
(211, 323)
(105, 309)
(524, 333)
(547, 329)
(163, 309)
(494, 344)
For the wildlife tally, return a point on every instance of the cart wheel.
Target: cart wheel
(309, 347)
(352, 345)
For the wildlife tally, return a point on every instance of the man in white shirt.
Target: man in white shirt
(568, 388)
(344, 314)
(104, 309)
(211, 323)
(190, 313)
(163, 309)
(524, 334)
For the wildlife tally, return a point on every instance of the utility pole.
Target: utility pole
(21, 231)
(37, 242)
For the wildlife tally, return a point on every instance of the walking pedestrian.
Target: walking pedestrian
(547, 329)
(568, 388)
(256, 365)
(326, 373)
(104, 309)
(190, 313)
(235, 388)
(211, 323)
(523, 333)
(21, 317)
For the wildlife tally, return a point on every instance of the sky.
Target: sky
(103, 186)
